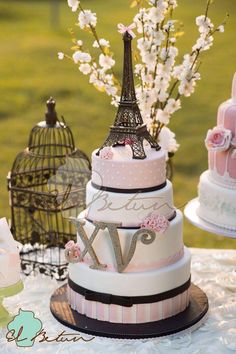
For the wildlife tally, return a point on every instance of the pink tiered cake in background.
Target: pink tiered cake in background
(217, 187)
(129, 264)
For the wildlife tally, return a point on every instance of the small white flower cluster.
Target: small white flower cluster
(74, 4)
(161, 81)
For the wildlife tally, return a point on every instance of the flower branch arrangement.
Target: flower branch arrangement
(163, 75)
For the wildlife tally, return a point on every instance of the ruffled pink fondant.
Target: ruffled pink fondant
(139, 313)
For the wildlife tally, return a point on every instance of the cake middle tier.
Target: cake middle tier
(128, 209)
(166, 249)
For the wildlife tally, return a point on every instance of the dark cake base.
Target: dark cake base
(195, 312)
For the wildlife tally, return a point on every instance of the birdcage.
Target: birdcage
(47, 186)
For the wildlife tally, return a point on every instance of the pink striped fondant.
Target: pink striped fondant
(139, 313)
(144, 267)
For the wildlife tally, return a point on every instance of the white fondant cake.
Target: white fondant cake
(217, 186)
(158, 268)
(9, 257)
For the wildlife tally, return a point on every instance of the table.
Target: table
(213, 270)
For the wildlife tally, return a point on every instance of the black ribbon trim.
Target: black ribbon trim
(135, 190)
(172, 217)
(127, 301)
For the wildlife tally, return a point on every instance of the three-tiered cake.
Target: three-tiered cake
(217, 187)
(129, 264)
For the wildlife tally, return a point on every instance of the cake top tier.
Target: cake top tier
(227, 111)
(114, 168)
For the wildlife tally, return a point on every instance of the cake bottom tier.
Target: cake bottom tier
(217, 203)
(130, 297)
(138, 313)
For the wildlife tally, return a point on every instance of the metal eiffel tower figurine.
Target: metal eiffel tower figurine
(128, 127)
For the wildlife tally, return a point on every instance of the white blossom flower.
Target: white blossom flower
(221, 28)
(85, 68)
(158, 37)
(74, 4)
(79, 56)
(106, 61)
(150, 60)
(60, 55)
(155, 15)
(172, 40)
(172, 105)
(115, 101)
(173, 3)
(138, 69)
(186, 87)
(203, 43)
(79, 42)
(167, 141)
(204, 24)
(103, 42)
(87, 18)
(111, 90)
(162, 96)
(163, 117)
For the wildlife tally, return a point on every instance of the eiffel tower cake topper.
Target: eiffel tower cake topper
(129, 127)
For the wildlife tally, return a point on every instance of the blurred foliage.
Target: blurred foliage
(30, 72)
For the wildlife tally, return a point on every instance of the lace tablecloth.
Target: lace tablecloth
(213, 270)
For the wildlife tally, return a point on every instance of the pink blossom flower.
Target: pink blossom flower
(218, 139)
(156, 222)
(70, 244)
(106, 153)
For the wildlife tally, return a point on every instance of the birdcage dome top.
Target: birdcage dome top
(51, 137)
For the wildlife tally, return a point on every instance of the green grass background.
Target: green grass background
(30, 73)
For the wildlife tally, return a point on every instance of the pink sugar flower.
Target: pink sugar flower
(106, 153)
(72, 251)
(129, 141)
(218, 139)
(70, 245)
(156, 222)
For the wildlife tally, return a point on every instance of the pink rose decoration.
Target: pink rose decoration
(106, 153)
(156, 222)
(72, 251)
(218, 139)
(129, 141)
(70, 245)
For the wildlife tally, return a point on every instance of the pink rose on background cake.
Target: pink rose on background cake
(106, 153)
(218, 139)
(156, 222)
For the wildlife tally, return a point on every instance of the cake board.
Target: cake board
(190, 213)
(189, 319)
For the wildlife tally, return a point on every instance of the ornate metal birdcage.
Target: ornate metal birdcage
(47, 186)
